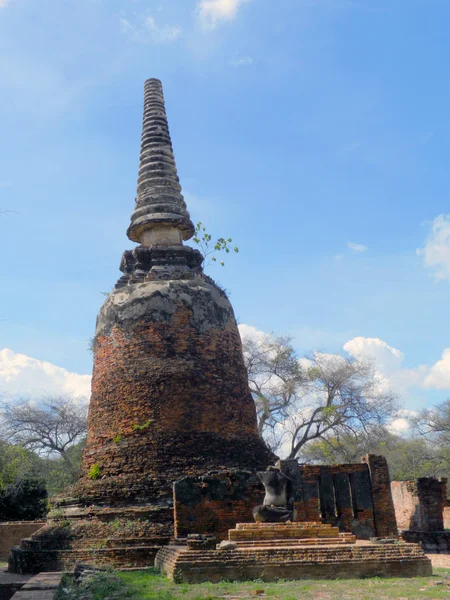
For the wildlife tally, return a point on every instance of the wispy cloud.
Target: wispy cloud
(21, 375)
(242, 61)
(356, 247)
(148, 31)
(436, 250)
(212, 12)
(3, 3)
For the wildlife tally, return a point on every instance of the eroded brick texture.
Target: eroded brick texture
(383, 506)
(170, 395)
(419, 504)
(295, 562)
(340, 495)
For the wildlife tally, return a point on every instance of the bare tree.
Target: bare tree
(274, 377)
(49, 426)
(302, 400)
(434, 422)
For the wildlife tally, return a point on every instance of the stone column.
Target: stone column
(383, 506)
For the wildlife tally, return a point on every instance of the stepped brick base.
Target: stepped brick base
(245, 532)
(295, 562)
(119, 536)
(301, 550)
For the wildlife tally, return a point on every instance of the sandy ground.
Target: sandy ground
(441, 561)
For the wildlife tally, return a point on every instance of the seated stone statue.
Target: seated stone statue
(278, 506)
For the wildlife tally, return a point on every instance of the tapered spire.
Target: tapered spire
(160, 215)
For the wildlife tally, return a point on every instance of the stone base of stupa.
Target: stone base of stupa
(101, 535)
(292, 551)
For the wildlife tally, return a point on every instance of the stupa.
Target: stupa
(170, 397)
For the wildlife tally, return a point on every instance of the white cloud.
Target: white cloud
(439, 374)
(242, 61)
(3, 3)
(388, 362)
(247, 331)
(436, 251)
(150, 31)
(213, 11)
(356, 247)
(401, 423)
(23, 376)
(388, 359)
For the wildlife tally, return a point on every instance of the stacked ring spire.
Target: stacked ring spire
(159, 199)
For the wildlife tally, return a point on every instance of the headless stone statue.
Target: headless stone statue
(278, 505)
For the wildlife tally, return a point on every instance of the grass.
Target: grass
(3, 564)
(149, 585)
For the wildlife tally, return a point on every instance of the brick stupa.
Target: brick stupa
(170, 396)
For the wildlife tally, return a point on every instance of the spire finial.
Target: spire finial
(160, 215)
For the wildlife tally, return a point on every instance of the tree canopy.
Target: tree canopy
(299, 400)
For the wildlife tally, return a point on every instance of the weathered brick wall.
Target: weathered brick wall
(419, 504)
(12, 533)
(383, 506)
(215, 503)
(170, 395)
(339, 495)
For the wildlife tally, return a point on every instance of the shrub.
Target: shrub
(26, 500)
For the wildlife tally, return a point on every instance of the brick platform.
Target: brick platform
(271, 551)
(296, 562)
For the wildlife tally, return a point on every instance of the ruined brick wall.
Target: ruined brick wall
(11, 534)
(383, 506)
(215, 503)
(419, 504)
(341, 495)
(170, 396)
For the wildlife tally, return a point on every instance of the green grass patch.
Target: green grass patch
(149, 585)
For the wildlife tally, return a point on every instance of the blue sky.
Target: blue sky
(316, 133)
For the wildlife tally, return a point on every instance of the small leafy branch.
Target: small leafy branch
(209, 248)
(146, 425)
(95, 471)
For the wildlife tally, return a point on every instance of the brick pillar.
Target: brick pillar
(343, 501)
(383, 506)
(327, 500)
(362, 501)
(444, 482)
(431, 508)
(309, 476)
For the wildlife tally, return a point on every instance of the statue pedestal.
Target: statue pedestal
(294, 533)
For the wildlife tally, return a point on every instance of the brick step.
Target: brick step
(235, 535)
(336, 541)
(289, 554)
(52, 543)
(237, 558)
(295, 525)
(30, 561)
